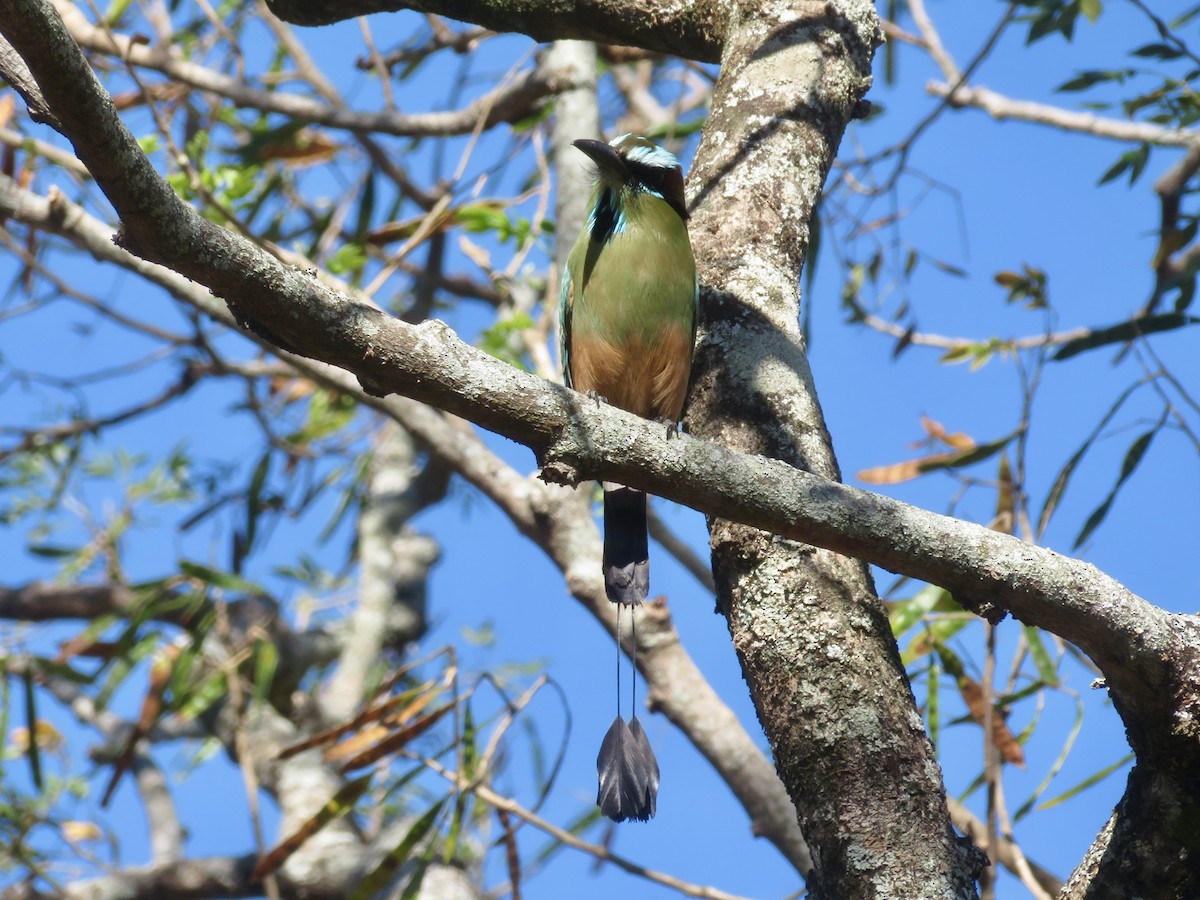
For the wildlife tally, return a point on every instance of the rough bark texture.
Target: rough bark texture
(691, 28)
(812, 637)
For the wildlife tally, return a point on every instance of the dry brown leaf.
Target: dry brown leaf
(1002, 737)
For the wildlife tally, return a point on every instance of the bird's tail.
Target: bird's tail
(626, 553)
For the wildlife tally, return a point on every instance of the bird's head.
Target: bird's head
(632, 163)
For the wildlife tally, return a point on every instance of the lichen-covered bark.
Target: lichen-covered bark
(1129, 859)
(689, 28)
(812, 637)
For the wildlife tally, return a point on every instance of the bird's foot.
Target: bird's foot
(672, 426)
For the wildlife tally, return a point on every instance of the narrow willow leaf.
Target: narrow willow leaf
(1069, 743)
(1041, 656)
(254, 503)
(349, 501)
(468, 759)
(1087, 782)
(390, 864)
(933, 701)
(937, 632)
(266, 662)
(576, 826)
(413, 889)
(338, 805)
(393, 742)
(895, 473)
(1064, 476)
(204, 695)
(124, 664)
(33, 751)
(1006, 510)
(1122, 332)
(1133, 456)
(1158, 51)
(366, 208)
(904, 614)
(217, 578)
(1006, 701)
(4, 704)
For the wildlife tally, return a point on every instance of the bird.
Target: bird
(628, 328)
(628, 316)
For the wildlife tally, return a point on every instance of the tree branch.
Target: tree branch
(1000, 107)
(508, 102)
(691, 28)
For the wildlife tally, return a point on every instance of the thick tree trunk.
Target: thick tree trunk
(812, 637)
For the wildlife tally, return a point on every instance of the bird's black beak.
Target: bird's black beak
(603, 155)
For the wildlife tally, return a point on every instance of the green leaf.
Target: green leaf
(1091, 9)
(1134, 161)
(204, 695)
(948, 268)
(1087, 782)
(933, 701)
(937, 633)
(500, 340)
(978, 453)
(366, 208)
(52, 551)
(1046, 668)
(814, 250)
(485, 216)
(413, 889)
(125, 663)
(1133, 456)
(961, 353)
(1158, 51)
(340, 804)
(1183, 18)
(1005, 701)
(1122, 332)
(5, 699)
(904, 614)
(217, 578)
(349, 258)
(266, 662)
(1092, 77)
(390, 864)
(32, 752)
(351, 496)
(329, 412)
(468, 760)
(1056, 767)
(254, 503)
(540, 114)
(1059, 487)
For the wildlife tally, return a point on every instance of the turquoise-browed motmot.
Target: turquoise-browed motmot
(629, 320)
(629, 298)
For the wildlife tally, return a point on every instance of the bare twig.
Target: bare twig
(1000, 107)
(599, 852)
(507, 103)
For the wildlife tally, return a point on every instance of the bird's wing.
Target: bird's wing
(566, 307)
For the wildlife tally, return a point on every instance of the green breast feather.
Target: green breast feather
(636, 283)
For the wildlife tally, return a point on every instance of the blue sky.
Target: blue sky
(1027, 195)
